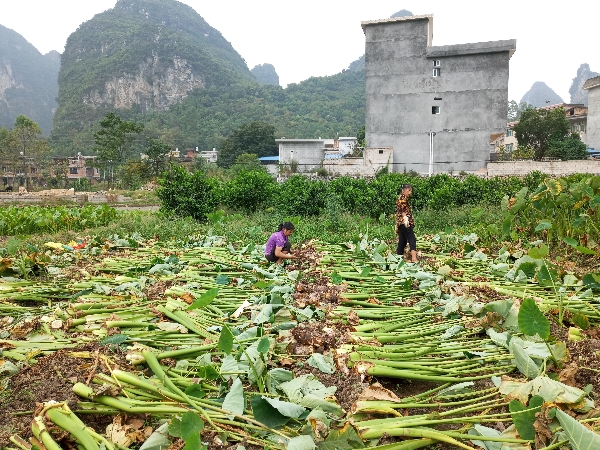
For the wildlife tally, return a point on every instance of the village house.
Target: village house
(593, 120)
(437, 107)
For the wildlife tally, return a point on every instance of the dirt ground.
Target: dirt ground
(52, 378)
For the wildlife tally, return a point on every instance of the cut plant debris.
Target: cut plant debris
(202, 344)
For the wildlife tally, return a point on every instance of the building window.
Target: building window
(509, 132)
(437, 72)
(73, 170)
(435, 110)
(436, 63)
(509, 148)
(381, 152)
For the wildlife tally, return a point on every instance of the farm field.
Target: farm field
(350, 348)
(176, 335)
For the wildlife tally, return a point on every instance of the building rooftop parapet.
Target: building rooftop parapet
(300, 140)
(592, 83)
(396, 19)
(509, 45)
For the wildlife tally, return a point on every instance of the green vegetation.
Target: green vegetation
(214, 340)
(301, 196)
(228, 98)
(25, 220)
(257, 138)
(547, 133)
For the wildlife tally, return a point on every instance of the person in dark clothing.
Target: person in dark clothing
(278, 246)
(405, 223)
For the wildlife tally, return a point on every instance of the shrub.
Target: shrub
(249, 190)
(300, 196)
(184, 194)
(350, 193)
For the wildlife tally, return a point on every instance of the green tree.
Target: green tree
(156, 153)
(569, 148)
(24, 146)
(360, 137)
(516, 109)
(113, 140)
(537, 128)
(254, 137)
(247, 162)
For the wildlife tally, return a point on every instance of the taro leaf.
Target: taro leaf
(538, 252)
(207, 373)
(501, 307)
(115, 339)
(301, 443)
(592, 280)
(195, 391)
(205, 299)
(265, 315)
(343, 439)
(570, 241)
(234, 400)
(324, 363)
(506, 226)
(263, 345)
(585, 250)
(158, 440)
(336, 278)
(297, 387)
(277, 376)
(191, 424)
(532, 320)
(226, 340)
(267, 414)
(581, 321)
(524, 420)
(480, 430)
(544, 225)
(528, 268)
(547, 277)
(524, 363)
(228, 367)
(286, 408)
(222, 279)
(193, 442)
(7, 368)
(580, 437)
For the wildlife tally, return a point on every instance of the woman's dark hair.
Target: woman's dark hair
(286, 225)
(405, 186)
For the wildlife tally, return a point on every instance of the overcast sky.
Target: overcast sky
(321, 37)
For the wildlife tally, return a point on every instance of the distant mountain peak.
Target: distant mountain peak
(541, 95)
(401, 13)
(266, 74)
(578, 95)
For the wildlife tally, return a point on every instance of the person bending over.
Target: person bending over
(405, 223)
(278, 246)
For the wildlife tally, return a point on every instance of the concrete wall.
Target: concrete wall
(559, 168)
(307, 152)
(373, 160)
(593, 119)
(401, 91)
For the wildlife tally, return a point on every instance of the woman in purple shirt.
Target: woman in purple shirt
(278, 246)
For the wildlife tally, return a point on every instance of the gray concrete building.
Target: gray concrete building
(593, 116)
(306, 154)
(437, 107)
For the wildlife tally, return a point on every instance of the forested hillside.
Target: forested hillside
(28, 81)
(159, 63)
